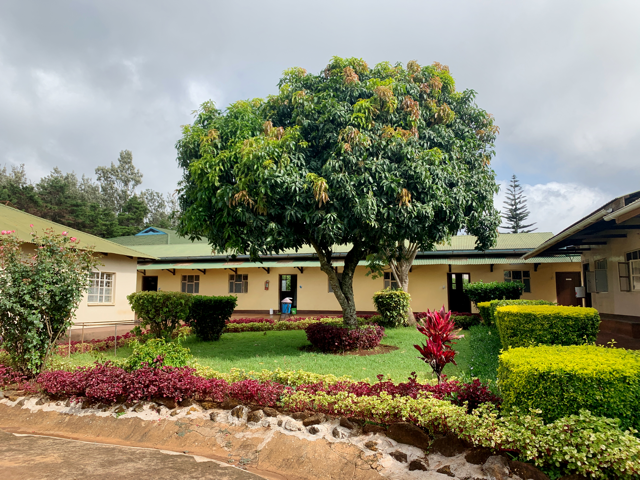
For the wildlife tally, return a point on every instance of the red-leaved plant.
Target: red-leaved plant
(438, 350)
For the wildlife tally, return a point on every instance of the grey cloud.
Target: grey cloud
(80, 81)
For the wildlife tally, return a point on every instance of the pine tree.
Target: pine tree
(515, 212)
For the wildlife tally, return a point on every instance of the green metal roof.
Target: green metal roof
(516, 242)
(505, 241)
(13, 219)
(170, 237)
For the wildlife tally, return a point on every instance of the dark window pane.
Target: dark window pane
(189, 287)
(527, 285)
(517, 275)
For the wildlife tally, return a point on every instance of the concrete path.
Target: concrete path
(33, 457)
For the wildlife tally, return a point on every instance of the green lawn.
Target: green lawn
(477, 355)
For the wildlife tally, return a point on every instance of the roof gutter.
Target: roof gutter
(590, 220)
(622, 211)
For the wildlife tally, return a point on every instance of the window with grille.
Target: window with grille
(523, 276)
(390, 280)
(339, 279)
(101, 288)
(190, 283)
(238, 283)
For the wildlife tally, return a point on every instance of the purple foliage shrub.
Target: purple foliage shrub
(330, 338)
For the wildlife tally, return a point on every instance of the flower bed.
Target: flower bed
(583, 444)
(294, 323)
(94, 345)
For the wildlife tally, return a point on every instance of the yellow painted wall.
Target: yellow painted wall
(427, 285)
(615, 301)
(125, 270)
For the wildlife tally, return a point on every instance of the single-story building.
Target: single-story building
(106, 300)
(436, 278)
(608, 241)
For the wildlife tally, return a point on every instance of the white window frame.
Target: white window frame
(390, 281)
(192, 281)
(99, 285)
(525, 278)
(633, 262)
(238, 283)
(634, 273)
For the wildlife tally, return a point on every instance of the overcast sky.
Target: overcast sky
(81, 80)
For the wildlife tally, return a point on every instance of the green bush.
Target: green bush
(465, 321)
(523, 326)
(157, 353)
(488, 309)
(161, 312)
(208, 315)
(485, 292)
(393, 306)
(562, 380)
(40, 290)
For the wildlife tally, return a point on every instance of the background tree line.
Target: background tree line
(111, 206)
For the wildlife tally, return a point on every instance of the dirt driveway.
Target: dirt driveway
(25, 457)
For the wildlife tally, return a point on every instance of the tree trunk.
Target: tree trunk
(400, 268)
(342, 289)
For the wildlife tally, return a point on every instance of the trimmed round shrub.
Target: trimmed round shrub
(157, 353)
(562, 380)
(393, 306)
(161, 312)
(485, 292)
(524, 326)
(488, 309)
(333, 338)
(208, 315)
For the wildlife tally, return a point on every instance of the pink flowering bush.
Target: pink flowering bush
(42, 280)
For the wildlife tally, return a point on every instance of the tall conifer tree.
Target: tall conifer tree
(515, 212)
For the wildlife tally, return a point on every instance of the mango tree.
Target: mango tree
(353, 156)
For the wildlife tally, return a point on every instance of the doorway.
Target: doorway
(149, 284)
(288, 288)
(566, 283)
(458, 300)
(587, 296)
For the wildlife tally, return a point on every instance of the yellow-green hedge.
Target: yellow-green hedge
(562, 380)
(488, 309)
(523, 326)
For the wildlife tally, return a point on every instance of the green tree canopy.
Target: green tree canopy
(356, 156)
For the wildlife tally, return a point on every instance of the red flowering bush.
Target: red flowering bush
(331, 338)
(437, 351)
(239, 321)
(9, 376)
